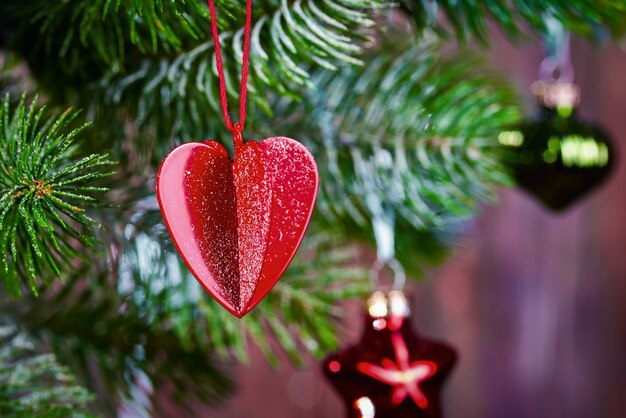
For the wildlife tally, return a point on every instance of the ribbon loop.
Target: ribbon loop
(376, 271)
(557, 66)
(234, 128)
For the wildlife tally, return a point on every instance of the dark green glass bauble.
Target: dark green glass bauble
(557, 157)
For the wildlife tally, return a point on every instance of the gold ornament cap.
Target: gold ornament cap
(556, 95)
(388, 304)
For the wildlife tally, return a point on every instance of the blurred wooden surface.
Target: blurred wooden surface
(534, 302)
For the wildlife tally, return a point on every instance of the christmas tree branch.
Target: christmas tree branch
(149, 62)
(468, 19)
(34, 384)
(116, 348)
(285, 39)
(387, 130)
(44, 190)
(166, 77)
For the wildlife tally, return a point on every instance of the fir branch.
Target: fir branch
(109, 29)
(286, 38)
(116, 348)
(43, 195)
(468, 19)
(170, 81)
(35, 385)
(149, 62)
(388, 129)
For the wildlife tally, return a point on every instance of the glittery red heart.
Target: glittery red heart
(238, 225)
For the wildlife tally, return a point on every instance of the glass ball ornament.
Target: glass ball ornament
(557, 157)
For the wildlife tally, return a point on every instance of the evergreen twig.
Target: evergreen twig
(35, 385)
(155, 60)
(44, 190)
(470, 19)
(387, 128)
(116, 348)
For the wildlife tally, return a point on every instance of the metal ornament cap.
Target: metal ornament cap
(238, 224)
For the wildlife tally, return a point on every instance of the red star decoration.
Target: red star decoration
(403, 375)
(391, 373)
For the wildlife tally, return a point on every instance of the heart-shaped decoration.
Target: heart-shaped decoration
(237, 225)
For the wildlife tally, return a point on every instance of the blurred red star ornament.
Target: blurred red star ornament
(392, 372)
(237, 223)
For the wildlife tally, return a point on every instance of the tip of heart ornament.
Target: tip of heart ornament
(237, 225)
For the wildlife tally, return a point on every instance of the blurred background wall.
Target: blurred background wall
(534, 302)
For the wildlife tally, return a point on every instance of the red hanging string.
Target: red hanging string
(234, 128)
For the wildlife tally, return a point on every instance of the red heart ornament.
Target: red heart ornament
(237, 225)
